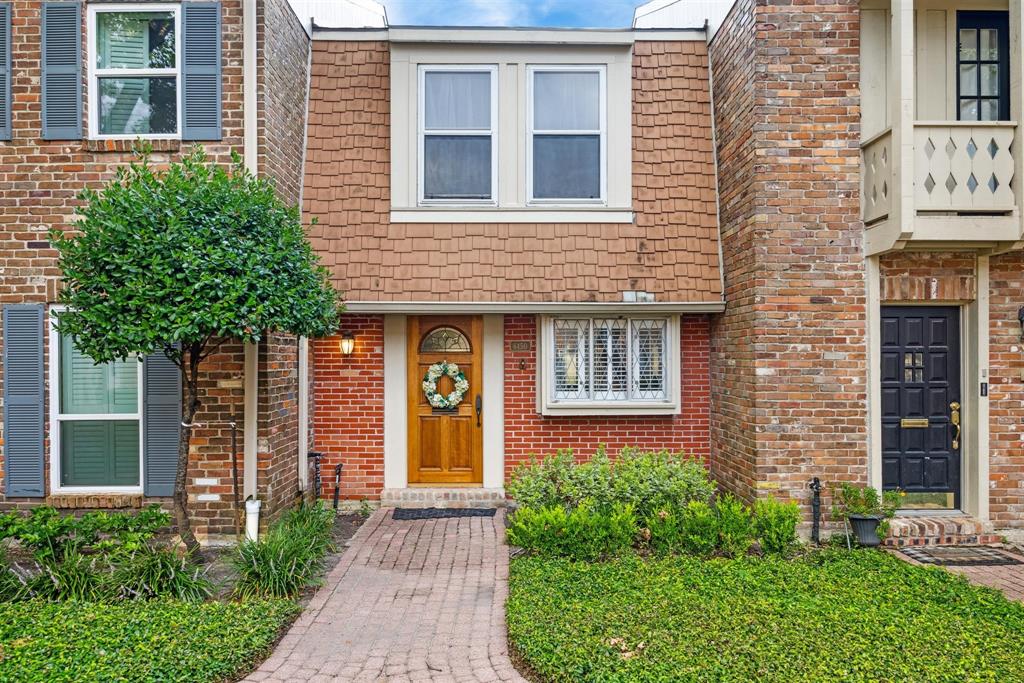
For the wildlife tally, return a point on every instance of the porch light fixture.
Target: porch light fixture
(348, 343)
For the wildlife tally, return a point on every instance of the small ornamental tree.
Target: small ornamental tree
(180, 260)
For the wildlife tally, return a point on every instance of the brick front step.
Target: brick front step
(443, 498)
(939, 530)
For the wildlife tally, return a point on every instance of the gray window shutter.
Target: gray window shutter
(23, 399)
(62, 70)
(201, 71)
(161, 424)
(5, 71)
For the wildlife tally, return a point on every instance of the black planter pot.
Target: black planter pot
(865, 528)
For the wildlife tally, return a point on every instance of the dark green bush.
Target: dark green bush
(158, 640)
(735, 527)
(288, 557)
(855, 617)
(583, 533)
(50, 535)
(775, 524)
(149, 573)
(650, 481)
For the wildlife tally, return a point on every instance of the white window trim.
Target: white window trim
(547, 405)
(421, 133)
(602, 72)
(56, 418)
(95, 73)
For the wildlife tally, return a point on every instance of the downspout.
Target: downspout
(302, 351)
(250, 158)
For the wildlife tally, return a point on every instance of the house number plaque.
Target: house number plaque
(520, 346)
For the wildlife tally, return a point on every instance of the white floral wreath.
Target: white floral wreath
(436, 372)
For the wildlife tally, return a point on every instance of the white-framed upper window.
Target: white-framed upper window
(95, 421)
(567, 140)
(626, 364)
(135, 71)
(457, 118)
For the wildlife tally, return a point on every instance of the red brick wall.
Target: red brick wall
(926, 276)
(791, 345)
(348, 417)
(1006, 392)
(529, 433)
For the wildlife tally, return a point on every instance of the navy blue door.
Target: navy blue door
(921, 402)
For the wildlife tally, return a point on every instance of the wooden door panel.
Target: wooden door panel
(445, 446)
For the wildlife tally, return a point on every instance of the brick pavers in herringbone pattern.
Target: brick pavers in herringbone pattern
(409, 601)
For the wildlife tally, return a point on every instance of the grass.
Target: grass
(829, 616)
(158, 640)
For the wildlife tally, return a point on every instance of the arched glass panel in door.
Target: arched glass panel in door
(444, 339)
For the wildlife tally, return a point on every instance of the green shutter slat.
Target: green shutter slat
(201, 71)
(23, 399)
(99, 453)
(161, 424)
(5, 71)
(62, 70)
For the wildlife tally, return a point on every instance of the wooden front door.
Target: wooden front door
(921, 403)
(445, 444)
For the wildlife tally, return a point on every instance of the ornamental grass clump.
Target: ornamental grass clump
(288, 558)
(149, 573)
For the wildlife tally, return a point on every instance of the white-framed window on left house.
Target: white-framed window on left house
(96, 418)
(134, 71)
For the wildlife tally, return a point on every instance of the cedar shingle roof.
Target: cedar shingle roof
(671, 250)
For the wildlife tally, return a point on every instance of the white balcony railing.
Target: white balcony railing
(877, 176)
(964, 166)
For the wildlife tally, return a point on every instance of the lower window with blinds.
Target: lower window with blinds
(96, 420)
(609, 365)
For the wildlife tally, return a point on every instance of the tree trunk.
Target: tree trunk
(190, 381)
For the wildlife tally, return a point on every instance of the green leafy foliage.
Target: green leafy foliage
(160, 640)
(856, 617)
(288, 557)
(51, 535)
(186, 253)
(72, 577)
(775, 524)
(650, 481)
(699, 529)
(148, 573)
(735, 526)
(584, 533)
(664, 532)
(848, 499)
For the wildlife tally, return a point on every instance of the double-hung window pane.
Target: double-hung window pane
(136, 73)
(99, 420)
(457, 121)
(567, 134)
(609, 360)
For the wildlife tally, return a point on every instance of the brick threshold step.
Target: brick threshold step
(941, 529)
(443, 497)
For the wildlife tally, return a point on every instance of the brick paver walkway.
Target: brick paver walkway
(409, 601)
(1007, 578)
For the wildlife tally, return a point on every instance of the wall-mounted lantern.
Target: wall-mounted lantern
(348, 343)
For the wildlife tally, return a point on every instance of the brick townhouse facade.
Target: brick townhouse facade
(872, 255)
(581, 314)
(59, 135)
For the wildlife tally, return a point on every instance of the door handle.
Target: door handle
(479, 408)
(954, 417)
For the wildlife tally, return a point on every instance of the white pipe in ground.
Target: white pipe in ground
(252, 519)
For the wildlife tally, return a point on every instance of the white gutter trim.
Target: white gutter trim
(250, 155)
(467, 307)
(493, 35)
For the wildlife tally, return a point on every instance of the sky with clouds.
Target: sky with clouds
(565, 13)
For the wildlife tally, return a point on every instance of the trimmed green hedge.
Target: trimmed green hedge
(829, 616)
(136, 641)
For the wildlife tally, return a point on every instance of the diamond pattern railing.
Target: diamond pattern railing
(877, 177)
(963, 167)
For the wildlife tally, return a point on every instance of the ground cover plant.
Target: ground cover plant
(136, 641)
(830, 615)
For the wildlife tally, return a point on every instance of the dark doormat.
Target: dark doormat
(440, 513)
(960, 556)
